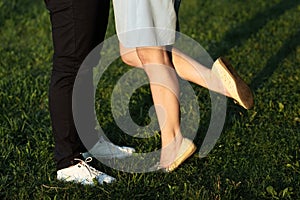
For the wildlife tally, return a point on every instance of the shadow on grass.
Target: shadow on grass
(238, 35)
(273, 63)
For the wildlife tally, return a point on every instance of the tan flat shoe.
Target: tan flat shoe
(233, 83)
(186, 149)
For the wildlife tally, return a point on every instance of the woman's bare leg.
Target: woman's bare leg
(222, 78)
(191, 70)
(165, 90)
(186, 67)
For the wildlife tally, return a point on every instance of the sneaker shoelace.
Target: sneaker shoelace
(93, 172)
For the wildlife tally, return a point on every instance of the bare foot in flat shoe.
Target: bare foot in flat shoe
(169, 152)
(233, 83)
(186, 149)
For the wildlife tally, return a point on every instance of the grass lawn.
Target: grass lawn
(257, 155)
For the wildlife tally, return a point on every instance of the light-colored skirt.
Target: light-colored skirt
(141, 23)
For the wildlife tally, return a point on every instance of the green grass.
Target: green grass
(257, 155)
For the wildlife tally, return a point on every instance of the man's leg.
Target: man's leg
(77, 27)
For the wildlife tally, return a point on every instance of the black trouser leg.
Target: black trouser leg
(77, 27)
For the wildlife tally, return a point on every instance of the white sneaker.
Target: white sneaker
(83, 173)
(107, 150)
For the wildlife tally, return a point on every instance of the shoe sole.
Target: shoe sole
(235, 85)
(190, 150)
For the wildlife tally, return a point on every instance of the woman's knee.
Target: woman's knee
(127, 59)
(130, 57)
